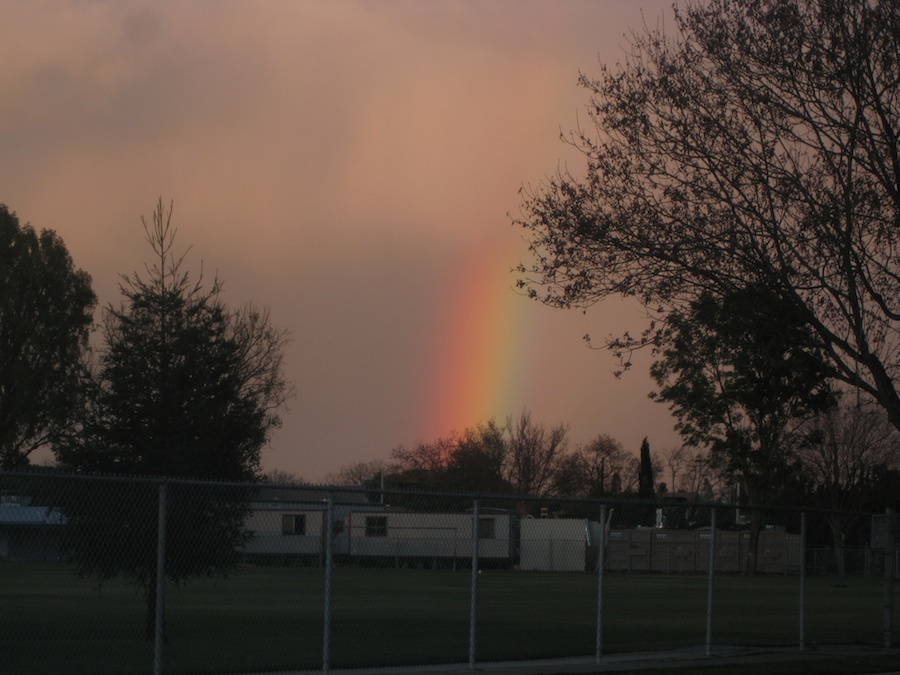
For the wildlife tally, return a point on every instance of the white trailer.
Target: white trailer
(290, 532)
(401, 537)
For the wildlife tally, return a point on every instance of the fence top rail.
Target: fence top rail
(624, 501)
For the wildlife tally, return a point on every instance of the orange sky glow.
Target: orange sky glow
(351, 165)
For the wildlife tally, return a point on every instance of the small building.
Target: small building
(288, 524)
(29, 533)
(430, 539)
(554, 544)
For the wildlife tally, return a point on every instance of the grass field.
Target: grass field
(271, 618)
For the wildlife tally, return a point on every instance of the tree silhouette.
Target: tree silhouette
(757, 146)
(187, 389)
(46, 310)
(742, 374)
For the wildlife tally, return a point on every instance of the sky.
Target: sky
(353, 166)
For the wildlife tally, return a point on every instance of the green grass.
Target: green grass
(271, 618)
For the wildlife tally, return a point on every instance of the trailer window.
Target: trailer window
(293, 524)
(486, 528)
(376, 526)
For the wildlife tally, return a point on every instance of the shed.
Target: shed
(30, 533)
(554, 544)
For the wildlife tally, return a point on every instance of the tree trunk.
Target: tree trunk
(750, 565)
(837, 536)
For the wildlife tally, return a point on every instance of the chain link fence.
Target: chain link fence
(116, 575)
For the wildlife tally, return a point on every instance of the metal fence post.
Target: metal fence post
(473, 602)
(329, 566)
(601, 564)
(889, 553)
(160, 580)
(802, 580)
(709, 583)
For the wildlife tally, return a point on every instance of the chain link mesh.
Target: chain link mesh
(273, 577)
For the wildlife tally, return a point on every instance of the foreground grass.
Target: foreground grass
(271, 618)
(853, 665)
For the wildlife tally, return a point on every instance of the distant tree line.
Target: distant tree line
(520, 457)
(850, 460)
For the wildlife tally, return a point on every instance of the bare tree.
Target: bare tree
(533, 451)
(854, 445)
(759, 145)
(360, 472)
(600, 468)
(429, 458)
(674, 459)
(282, 477)
(701, 479)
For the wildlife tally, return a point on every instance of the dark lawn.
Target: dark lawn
(271, 618)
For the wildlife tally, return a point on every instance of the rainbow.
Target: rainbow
(476, 371)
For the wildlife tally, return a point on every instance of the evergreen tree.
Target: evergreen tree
(187, 389)
(645, 479)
